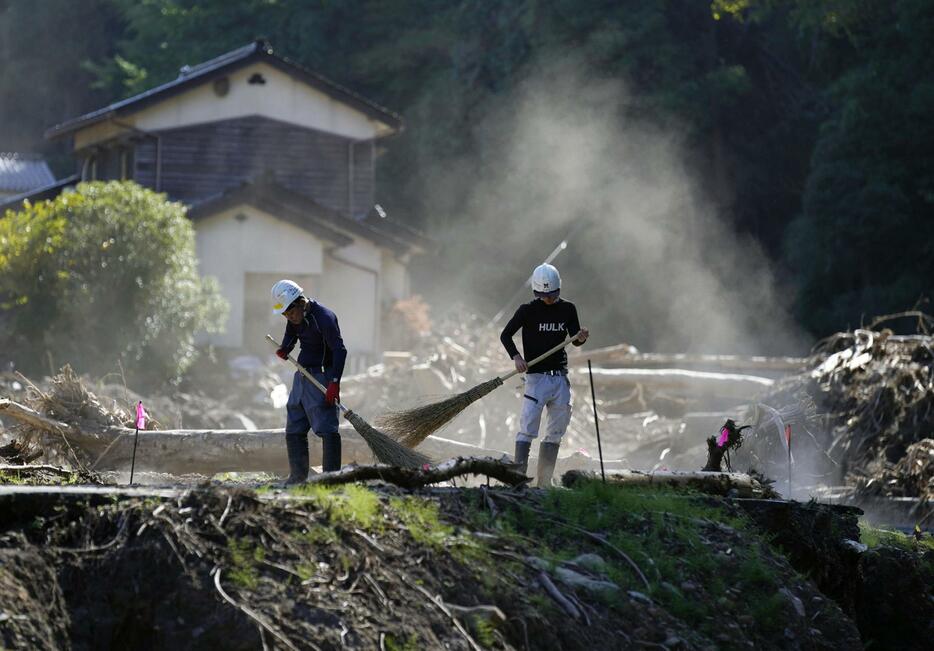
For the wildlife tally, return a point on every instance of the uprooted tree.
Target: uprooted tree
(103, 273)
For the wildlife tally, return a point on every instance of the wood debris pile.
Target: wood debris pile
(864, 411)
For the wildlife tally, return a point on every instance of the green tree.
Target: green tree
(863, 242)
(105, 273)
(789, 109)
(42, 82)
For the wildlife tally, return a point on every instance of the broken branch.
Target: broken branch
(255, 616)
(555, 594)
(416, 478)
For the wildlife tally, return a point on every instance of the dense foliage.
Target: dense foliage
(804, 122)
(103, 277)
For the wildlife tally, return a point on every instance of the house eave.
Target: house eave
(204, 73)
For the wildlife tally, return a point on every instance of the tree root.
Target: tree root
(556, 594)
(255, 616)
(590, 534)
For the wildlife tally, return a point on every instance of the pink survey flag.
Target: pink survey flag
(723, 438)
(140, 416)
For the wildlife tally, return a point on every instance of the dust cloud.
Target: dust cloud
(650, 258)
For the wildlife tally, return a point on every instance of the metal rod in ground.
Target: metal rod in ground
(788, 438)
(133, 461)
(596, 421)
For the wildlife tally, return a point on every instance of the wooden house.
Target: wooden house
(277, 166)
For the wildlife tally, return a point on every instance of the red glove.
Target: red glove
(333, 394)
(282, 354)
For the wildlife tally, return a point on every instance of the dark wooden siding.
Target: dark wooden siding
(203, 160)
(364, 178)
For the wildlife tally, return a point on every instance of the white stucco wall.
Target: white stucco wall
(281, 98)
(350, 285)
(394, 279)
(228, 248)
(348, 280)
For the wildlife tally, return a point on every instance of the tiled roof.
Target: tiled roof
(304, 212)
(192, 75)
(22, 172)
(49, 191)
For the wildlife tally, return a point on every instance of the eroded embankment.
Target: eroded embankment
(377, 567)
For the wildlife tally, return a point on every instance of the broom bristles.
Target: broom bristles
(385, 449)
(412, 426)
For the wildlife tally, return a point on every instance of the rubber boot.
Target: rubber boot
(522, 455)
(331, 452)
(296, 445)
(547, 457)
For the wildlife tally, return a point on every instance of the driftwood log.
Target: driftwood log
(208, 452)
(678, 381)
(714, 483)
(622, 356)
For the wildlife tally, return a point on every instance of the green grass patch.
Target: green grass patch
(319, 535)
(670, 534)
(769, 611)
(352, 504)
(874, 537)
(484, 631)
(422, 520)
(305, 571)
(30, 479)
(12, 477)
(244, 558)
(408, 644)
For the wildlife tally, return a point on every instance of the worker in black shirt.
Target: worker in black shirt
(545, 322)
(323, 355)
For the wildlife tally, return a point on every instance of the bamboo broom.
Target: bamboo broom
(385, 449)
(413, 426)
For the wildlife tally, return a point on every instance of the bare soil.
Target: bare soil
(382, 568)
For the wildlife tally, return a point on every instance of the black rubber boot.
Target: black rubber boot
(522, 455)
(547, 457)
(297, 446)
(331, 452)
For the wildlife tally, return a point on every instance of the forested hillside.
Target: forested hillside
(800, 132)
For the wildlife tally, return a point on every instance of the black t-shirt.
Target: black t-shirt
(543, 327)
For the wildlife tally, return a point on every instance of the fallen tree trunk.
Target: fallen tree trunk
(715, 483)
(32, 417)
(208, 452)
(621, 356)
(678, 381)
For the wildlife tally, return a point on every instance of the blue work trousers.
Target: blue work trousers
(306, 409)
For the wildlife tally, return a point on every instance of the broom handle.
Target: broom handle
(304, 371)
(541, 357)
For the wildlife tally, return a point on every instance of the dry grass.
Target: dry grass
(386, 449)
(412, 426)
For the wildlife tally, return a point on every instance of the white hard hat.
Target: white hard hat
(545, 279)
(283, 293)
